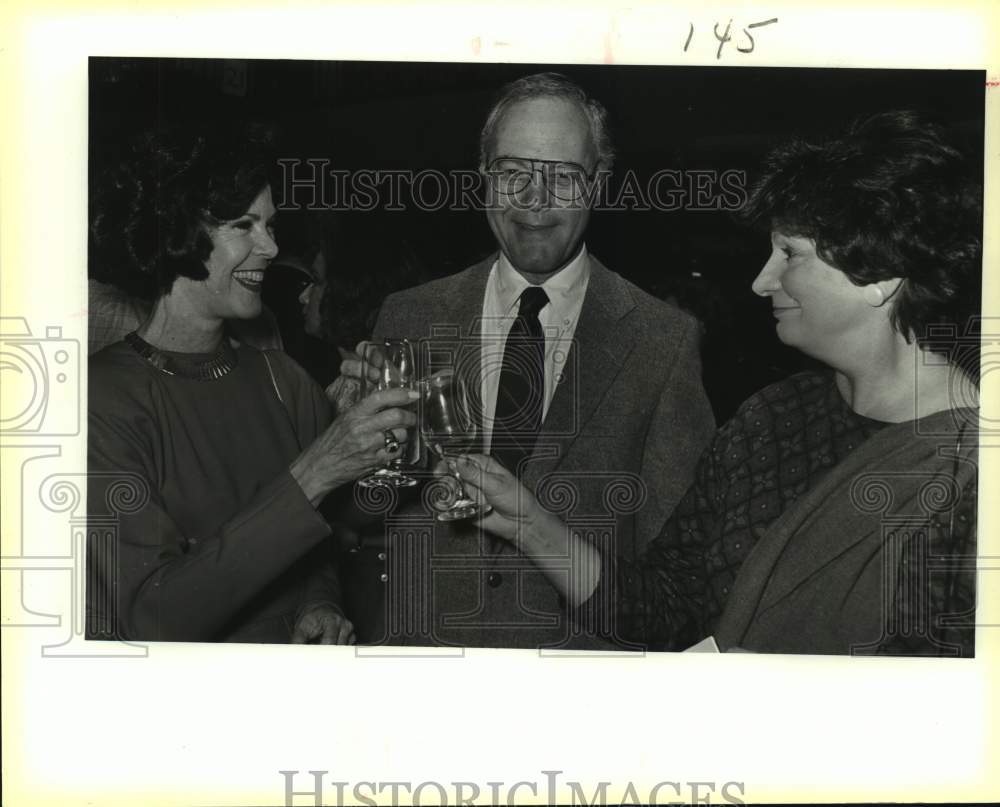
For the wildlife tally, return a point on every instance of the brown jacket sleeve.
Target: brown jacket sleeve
(681, 428)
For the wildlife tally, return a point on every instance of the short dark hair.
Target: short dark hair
(890, 198)
(152, 210)
(549, 85)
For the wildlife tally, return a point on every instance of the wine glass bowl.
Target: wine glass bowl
(393, 362)
(448, 426)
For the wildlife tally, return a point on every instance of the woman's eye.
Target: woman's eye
(788, 253)
(243, 224)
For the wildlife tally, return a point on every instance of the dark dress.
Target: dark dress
(198, 531)
(783, 444)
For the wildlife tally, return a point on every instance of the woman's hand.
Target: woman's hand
(571, 564)
(515, 509)
(355, 443)
(323, 624)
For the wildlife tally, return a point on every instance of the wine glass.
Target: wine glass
(394, 364)
(448, 426)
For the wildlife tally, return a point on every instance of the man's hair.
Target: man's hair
(153, 210)
(888, 199)
(549, 85)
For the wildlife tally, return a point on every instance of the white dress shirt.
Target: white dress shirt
(565, 289)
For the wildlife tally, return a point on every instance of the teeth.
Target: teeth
(253, 277)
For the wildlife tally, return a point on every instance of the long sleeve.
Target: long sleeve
(778, 444)
(662, 601)
(214, 540)
(308, 405)
(165, 585)
(323, 582)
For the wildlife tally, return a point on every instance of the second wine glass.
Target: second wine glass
(448, 425)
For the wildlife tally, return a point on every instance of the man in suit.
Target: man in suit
(589, 388)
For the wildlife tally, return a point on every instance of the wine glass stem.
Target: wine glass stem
(454, 472)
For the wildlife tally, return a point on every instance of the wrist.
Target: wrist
(536, 529)
(313, 489)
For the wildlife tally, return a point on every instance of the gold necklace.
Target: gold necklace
(219, 364)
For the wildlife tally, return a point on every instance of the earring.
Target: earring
(874, 296)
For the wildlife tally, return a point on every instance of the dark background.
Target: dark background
(385, 115)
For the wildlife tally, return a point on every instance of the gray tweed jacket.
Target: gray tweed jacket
(617, 450)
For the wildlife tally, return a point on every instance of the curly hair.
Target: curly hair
(549, 85)
(888, 199)
(152, 212)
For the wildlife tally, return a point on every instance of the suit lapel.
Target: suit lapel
(600, 347)
(460, 326)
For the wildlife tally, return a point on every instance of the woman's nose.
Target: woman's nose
(266, 245)
(768, 281)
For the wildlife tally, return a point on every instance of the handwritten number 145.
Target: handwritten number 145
(725, 36)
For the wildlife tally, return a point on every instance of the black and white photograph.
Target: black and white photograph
(466, 404)
(535, 356)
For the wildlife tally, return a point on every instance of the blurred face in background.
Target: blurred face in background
(312, 297)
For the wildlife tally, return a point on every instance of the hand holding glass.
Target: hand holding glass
(392, 364)
(448, 425)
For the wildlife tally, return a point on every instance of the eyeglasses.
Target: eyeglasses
(567, 182)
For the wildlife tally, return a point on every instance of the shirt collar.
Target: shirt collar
(564, 288)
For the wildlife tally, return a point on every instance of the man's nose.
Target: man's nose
(536, 193)
(768, 281)
(304, 296)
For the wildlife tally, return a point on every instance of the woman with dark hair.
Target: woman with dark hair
(208, 459)
(835, 513)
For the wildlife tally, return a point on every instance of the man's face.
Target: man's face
(538, 232)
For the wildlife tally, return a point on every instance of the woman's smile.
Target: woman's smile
(250, 279)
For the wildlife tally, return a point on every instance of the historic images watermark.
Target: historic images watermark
(315, 185)
(45, 537)
(592, 503)
(311, 787)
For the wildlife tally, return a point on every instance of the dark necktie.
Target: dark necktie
(521, 394)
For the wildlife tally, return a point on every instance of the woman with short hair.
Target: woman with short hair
(836, 511)
(208, 459)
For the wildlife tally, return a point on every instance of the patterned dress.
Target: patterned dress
(780, 443)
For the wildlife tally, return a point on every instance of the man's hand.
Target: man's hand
(323, 624)
(352, 366)
(343, 393)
